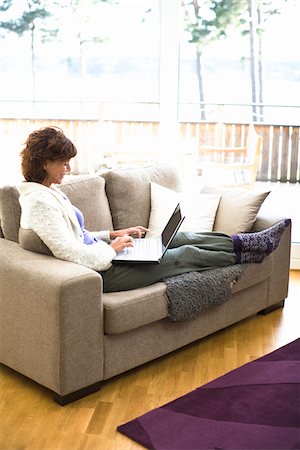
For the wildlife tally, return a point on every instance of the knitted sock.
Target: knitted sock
(249, 257)
(263, 242)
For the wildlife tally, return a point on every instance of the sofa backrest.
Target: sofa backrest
(86, 192)
(117, 199)
(129, 195)
(122, 198)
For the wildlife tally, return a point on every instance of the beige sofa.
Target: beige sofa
(59, 329)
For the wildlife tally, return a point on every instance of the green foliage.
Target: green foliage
(266, 9)
(26, 22)
(30, 20)
(209, 20)
(5, 5)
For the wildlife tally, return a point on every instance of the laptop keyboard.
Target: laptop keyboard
(143, 249)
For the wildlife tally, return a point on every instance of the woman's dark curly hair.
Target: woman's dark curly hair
(46, 144)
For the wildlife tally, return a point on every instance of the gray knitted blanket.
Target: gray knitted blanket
(190, 293)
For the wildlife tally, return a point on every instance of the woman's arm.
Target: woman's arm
(136, 232)
(48, 222)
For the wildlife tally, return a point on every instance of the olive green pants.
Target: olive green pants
(188, 252)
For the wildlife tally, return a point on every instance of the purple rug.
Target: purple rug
(256, 406)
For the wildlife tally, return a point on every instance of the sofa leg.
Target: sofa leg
(63, 400)
(272, 308)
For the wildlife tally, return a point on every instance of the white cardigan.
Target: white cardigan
(53, 219)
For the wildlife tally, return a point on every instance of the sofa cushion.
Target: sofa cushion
(124, 311)
(128, 192)
(88, 194)
(10, 212)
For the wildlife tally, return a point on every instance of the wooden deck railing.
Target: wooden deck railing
(280, 158)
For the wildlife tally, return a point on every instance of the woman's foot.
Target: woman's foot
(263, 242)
(248, 257)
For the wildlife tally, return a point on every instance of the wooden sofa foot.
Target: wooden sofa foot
(272, 308)
(63, 400)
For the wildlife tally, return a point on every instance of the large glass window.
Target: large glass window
(102, 54)
(222, 73)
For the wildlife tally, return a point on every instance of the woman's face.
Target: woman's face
(56, 171)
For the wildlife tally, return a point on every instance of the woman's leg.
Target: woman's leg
(208, 241)
(185, 258)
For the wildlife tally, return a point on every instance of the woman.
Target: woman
(60, 225)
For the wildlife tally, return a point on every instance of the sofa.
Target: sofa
(58, 327)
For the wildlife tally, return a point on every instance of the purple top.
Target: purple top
(88, 238)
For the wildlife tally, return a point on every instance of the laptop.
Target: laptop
(152, 250)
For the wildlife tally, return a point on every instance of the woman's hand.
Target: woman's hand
(136, 232)
(121, 242)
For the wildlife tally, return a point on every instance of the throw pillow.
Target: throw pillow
(199, 209)
(237, 210)
(163, 202)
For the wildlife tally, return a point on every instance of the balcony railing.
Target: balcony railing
(280, 157)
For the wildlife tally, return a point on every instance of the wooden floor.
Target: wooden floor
(30, 420)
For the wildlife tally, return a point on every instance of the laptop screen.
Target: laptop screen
(172, 226)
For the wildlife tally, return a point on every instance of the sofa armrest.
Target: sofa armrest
(262, 222)
(278, 281)
(51, 315)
